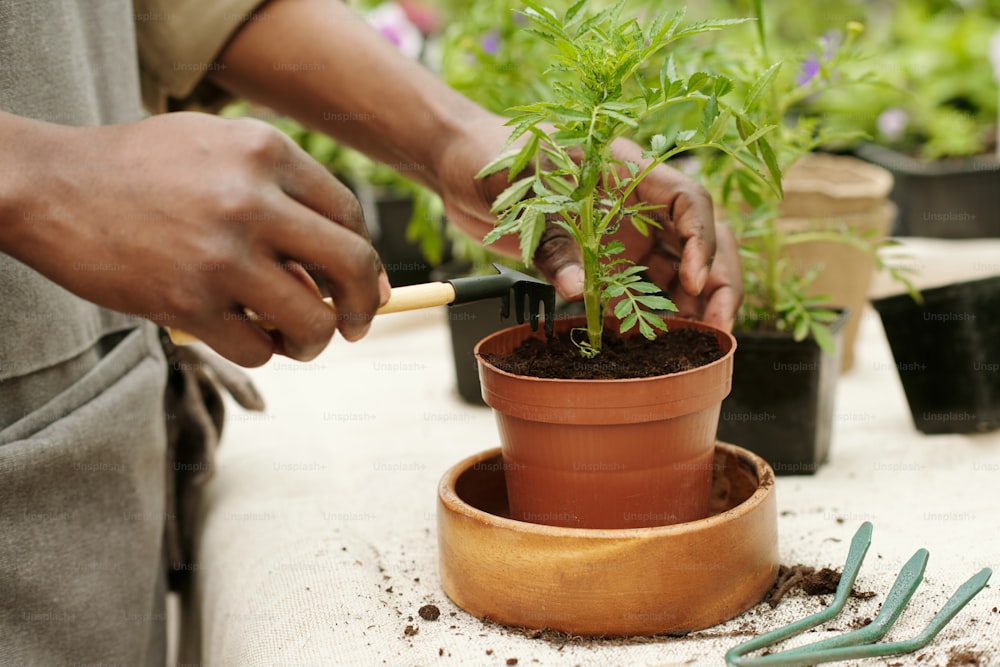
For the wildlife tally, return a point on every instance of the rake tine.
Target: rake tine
(906, 584)
(955, 603)
(856, 554)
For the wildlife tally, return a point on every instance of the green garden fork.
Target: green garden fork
(863, 643)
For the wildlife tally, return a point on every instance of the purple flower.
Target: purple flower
(490, 42)
(391, 21)
(810, 68)
(892, 123)
(830, 41)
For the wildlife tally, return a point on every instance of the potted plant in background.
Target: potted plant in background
(627, 451)
(807, 259)
(934, 125)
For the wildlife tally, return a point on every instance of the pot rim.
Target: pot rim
(450, 498)
(724, 359)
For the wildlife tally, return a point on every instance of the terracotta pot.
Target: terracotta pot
(607, 453)
(834, 192)
(642, 581)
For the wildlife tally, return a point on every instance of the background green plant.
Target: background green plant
(784, 81)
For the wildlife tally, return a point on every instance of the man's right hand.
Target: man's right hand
(188, 219)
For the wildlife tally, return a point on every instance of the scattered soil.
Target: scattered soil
(511, 661)
(411, 630)
(963, 658)
(808, 580)
(429, 612)
(561, 639)
(679, 349)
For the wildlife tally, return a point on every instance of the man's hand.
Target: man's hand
(398, 112)
(692, 257)
(188, 219)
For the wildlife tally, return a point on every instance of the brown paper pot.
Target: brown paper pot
(833, 192)
(641, 581)
(607, 453)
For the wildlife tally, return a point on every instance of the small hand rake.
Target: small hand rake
(532, 298)
(863, 643)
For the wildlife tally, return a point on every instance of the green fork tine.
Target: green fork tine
(856, 554)
(862, 643)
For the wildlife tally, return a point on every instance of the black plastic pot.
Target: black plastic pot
(947, 353)
(388, 216)
(468, 323)
(953, 199)
(781, 404)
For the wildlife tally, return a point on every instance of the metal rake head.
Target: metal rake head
(532, 297)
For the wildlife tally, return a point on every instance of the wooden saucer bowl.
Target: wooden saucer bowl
(596, 582)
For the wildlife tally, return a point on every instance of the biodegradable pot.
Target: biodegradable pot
(639, 581)
(833, 193)
(607, 453)
(952, 199)
(781, 405)
(947, 354)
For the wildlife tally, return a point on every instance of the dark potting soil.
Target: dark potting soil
(621, 357)
(810, 581)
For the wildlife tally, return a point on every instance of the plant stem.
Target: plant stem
(591, 271)
(773, 248)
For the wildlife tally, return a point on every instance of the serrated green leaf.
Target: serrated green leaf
(719, 126)
(575, 10)
(767, 154)
(629, 322)
(623, 307)
(512, 195)
(760, 87)
(685, 136)
(620, 117)
(723, 84)
(658, 144)
(801, 329)
(644, 328)
(532, 228)
(821, 333)
(655, 320)
(644, 287)
(710, 113)
(697, 81)
(499, 164)
(655, 302)
(524, 156)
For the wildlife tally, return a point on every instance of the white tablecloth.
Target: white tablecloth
(318, 541)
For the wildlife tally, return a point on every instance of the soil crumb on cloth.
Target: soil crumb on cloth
(810, 581)
(429, 612)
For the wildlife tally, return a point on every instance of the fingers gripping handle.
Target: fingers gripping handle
(410, 297)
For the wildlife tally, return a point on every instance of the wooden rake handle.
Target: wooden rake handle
(409, 297)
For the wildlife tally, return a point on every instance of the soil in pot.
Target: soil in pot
(617, 450)
(622, 357)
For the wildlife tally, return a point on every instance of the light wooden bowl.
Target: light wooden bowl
(636, 581)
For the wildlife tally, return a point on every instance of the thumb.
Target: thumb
(559, 260)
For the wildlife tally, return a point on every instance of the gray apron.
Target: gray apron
(81, 389)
